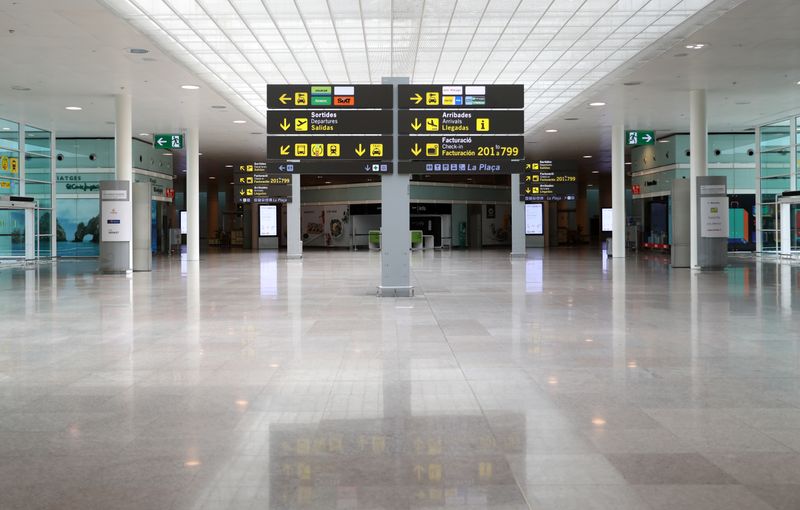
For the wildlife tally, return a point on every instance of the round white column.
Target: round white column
(698, 162)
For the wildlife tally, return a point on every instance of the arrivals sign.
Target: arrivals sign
(546, 180)
(461, 122)
(640, 137)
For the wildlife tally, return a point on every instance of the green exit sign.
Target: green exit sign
(168, 141)
(640, 137)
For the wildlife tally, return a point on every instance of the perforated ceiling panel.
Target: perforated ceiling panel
(556, 48)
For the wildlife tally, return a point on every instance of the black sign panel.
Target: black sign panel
(344, 167)
(283, 97)
(460, 96)
(462, 167)
(329, 147)
(260, 178)
(461, 147)
(544, 181)
(461, 122)
(258, 194)
(329, 122)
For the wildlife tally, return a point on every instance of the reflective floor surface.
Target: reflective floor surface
(561, 381)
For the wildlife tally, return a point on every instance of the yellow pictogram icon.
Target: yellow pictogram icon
(301, 150)
(334, 150)
(249, 168)
(376, 150)
(317, 150)
(432, 149)
(301, 98)
(535, 178)
(300, 124)
(534, 190)
(249, 192)
(249, 180)
(431, 124)
(431, 98)
(482, 124)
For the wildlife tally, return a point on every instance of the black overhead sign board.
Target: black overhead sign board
(343, 167)
(329, 122)
(280, 97)
(254, 185)
(462, 167)
(261, 178)
(329, 147)
(460, 122)
(461, 147)
(547, 180)
(460, 96)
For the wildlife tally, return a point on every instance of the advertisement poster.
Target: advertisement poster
(116, 220)
(534, 219)
(327, 226)
(267, 220)
(607, 220)
(496, 224)
(714, 217)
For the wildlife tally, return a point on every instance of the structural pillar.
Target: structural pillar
(212, 206)
(193, 193)
(698, 163)
(517, 220)
(618, 190)
(123, 150)
(395, 221)
(294, 245)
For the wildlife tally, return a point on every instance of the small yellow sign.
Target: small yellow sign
(376, 150)
(300, 124)
(301, 150)
(431, 98)
(535, 178)
(249, 192)
(482, 124)
(317, 150)
(5, 184)
(249, 180)
(301, 98)
(249, 168)
(448, 100)
(334, 150)
(4, 163)
(431, 124)
(14, 165)
(432, 149)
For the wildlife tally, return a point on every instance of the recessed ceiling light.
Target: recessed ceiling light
(138, 51)
(798, 82)
(6, 129)
(190, 87)
(632, 83)
(166, 154)
(327, 182)
(627, 162)
(664, 140)
(551, 130)
(144, 134)
(218, 107)
(597, 103)
(228, 166)
(595, 171)
(587, 157)
(681, 55)
(230, 182)
(571, 118)
(211, 177)
(20, 88)
(73, 108)
(239, 121)
(696, 46)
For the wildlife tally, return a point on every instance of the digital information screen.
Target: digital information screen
(534, 219)
(608, 219)
(184, 223)
(267, 220)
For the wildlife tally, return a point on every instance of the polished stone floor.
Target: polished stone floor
(561, 381)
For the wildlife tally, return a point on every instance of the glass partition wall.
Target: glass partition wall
(25, 170)
(777, 173)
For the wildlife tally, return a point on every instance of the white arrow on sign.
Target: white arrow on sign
(647, 137)
(161, 142)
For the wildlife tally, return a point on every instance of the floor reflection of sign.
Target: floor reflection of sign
(714, 217)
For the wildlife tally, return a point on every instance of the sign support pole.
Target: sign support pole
(517, 219)
(294, 246)
(395, 219)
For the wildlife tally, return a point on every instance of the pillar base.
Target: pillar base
(293, 256)
(384, 291)
(521, 255)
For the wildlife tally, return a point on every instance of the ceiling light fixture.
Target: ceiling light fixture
(228, 166)
(571, 118)
(211, 177)
(239, 121)
(588, 156)
(551, 130)
(73, 108)
(190, 87)
(218, 107)
(696, 46)
(627, 162)
(144, 134)
(166, 154)
(138, 51)
(595, 171)
(597, 103)
(632, 83)
(664, 140)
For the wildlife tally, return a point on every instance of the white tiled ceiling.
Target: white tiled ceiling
(556, 48)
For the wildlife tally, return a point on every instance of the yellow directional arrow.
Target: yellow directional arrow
(416, 150)
(416, 124)
(360, 150)
(241, 180)
(285, 150)
(241, 192)
(416, 98)
(284, 99)
(285, 125)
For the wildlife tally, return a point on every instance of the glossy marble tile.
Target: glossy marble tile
(560, 381)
